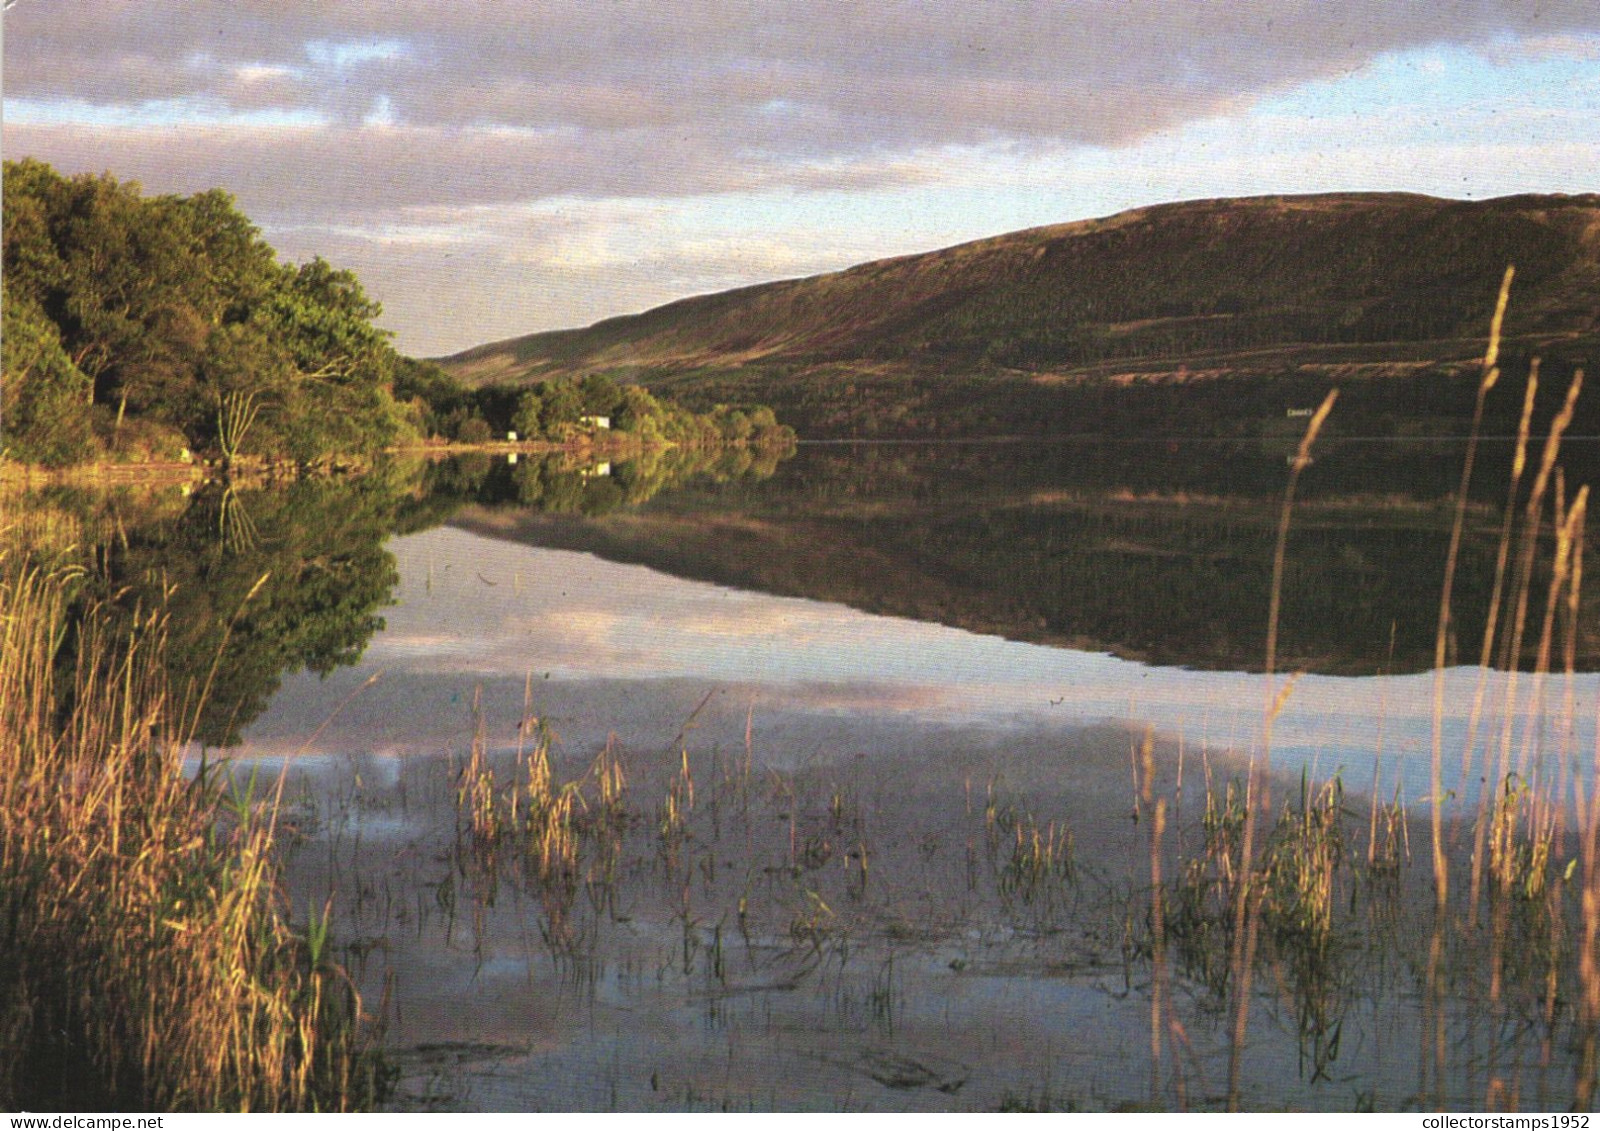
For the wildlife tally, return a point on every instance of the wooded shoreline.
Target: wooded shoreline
(23, 476)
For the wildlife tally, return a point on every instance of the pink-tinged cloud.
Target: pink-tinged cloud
(350, 121)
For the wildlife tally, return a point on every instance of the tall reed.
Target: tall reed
(1257, 793)
(1491, 374)
(147, 959)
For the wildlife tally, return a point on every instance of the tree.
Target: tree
(474, 430)
(599, 394)
(175, 310)
(528, 421)
(242, 378)
(342, 365)
(431, 393)
(638, 410)
(44, 396)
(562, 408)
(326, 321)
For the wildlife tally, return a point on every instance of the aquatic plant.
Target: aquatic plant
(1039, 864)
(149, 960)
(1302, 863)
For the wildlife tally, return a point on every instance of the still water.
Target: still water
(475, 611)
(893, 723)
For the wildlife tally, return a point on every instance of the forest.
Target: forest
(138, 327)
(141, 328)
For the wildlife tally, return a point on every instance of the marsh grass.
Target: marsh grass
(1301, 867)
(1038, 869)
(149, 963)
(1530, 965)
(1514, 955)
(563, 834)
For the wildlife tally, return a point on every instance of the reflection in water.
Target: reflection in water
(479, 609)
(846, 915)
(1155, 552)
(884, 842)
(261, 581)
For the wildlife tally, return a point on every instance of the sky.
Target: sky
(491, 168)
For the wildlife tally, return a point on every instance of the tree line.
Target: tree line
(566, 409)
(140, 327)
(136, 326)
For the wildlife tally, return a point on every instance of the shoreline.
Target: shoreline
(24, 476)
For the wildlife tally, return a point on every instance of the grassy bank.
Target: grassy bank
(148, 961)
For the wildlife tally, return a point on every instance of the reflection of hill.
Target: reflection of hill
(1078, 546)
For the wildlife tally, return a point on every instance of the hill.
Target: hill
(1026, 330)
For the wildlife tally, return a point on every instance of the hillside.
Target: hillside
(1318, 287)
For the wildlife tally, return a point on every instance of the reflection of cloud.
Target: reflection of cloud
(864, 698)
(749, 619)
(581, 629)
(651, 646)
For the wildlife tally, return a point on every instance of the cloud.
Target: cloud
(645, 82)
(360, 119)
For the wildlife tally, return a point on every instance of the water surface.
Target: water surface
(861, 661)
(882, 712)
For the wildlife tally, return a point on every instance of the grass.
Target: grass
(150, 964)
(1305, 893)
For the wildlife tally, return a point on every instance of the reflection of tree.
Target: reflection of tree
(315, 548)
(566, 484)
(235, 527)
(256, 582)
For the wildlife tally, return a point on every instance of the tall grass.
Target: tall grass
(1258, 789)
(1535, 959)
(146, 961)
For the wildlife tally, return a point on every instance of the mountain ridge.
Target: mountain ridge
(1258, 285)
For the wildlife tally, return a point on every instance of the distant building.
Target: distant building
(595, 423)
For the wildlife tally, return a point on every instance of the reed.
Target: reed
(1039, 867)
(1302, 864)
(1257, 794)
(1300, 888)
(1491, 375)
(149, 960)
(1158, 910)
(476, 798)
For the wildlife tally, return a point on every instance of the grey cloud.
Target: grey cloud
(325, 173)
(898, 73)
(633, 96)
(499, 103)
